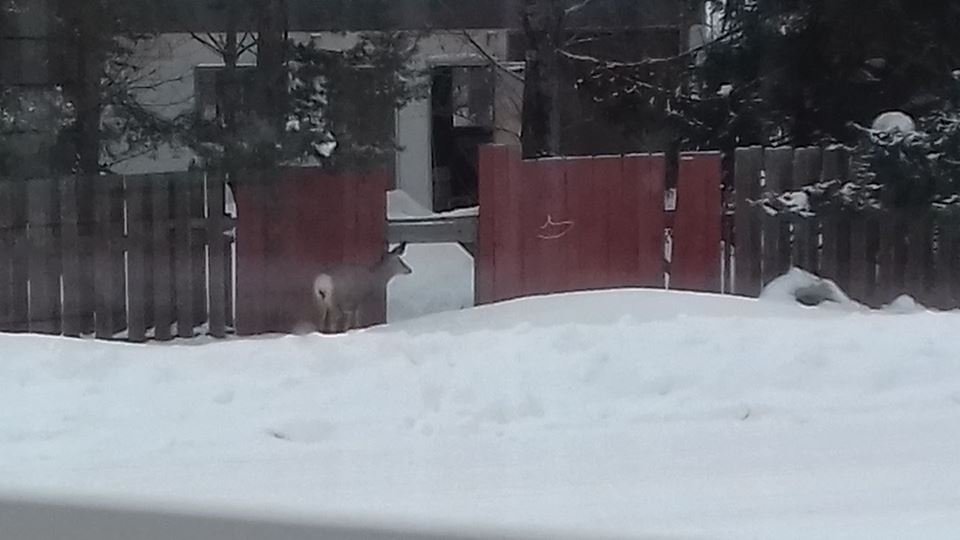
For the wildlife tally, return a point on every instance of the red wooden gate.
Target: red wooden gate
(294, 224)
(564, 224)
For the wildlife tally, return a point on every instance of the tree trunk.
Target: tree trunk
(231, 83)
(542, 108)
(271, 86)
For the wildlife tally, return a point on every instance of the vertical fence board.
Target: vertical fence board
(648, 173)
(348, 188)
(697, 235)
(216, 254)
(589, 213)
(372, 236)
(747, 278)
(835, 229)
(43, 212)
(137, 196)
(282, 206)
(552, 236)
(315, 202)
(806, 234)
(118, 258)
(941, 292)
(251, 254)
(183, 257)
(622, 246)
(862, 273)
(919, 257)
(493, 163)
(508, 272)
(87, 229)
(20, 277)
(105, 268)
(952, 266)
(531, 218)
(776, 229)
(198, 246)
(889, 267)
(607, 178)
(7, 255)
(162, 264)
(332, 244)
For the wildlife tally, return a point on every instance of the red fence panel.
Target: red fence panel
(586, 269)
(697, 224)
(314, 221)
(647, 175)
(564, 224)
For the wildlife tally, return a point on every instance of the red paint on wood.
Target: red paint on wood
(492, 165)
(588, 211)
(251, 257)
(647, 175)
(296, 225)
(616, 253)
(372, 235)
(508, 271)
(696, 236)
(552, 225)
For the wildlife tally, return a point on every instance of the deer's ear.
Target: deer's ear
(399, 249)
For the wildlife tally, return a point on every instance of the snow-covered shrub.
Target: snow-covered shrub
(899, 164)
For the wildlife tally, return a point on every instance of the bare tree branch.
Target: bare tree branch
(611, 64)
(490, 58)
(577, 7)
(209, 41)
(246, 46)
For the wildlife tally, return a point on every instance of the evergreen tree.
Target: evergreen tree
(791, 72)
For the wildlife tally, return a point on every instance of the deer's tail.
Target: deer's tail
(323, 288)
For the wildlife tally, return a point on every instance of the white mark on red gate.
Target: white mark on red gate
(553, 230)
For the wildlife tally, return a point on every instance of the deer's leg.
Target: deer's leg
(356, 318)
(348, 320)
(330, 320)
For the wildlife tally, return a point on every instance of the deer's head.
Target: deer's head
(393, 263)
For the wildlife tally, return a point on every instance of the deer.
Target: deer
(340, 293)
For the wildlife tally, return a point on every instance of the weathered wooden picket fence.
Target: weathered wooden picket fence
(157, 256)
(564, 224)
(875, 258)
(115, 256)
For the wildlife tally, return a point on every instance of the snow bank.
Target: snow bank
(627, 413)
(904, 304)
(800, 286)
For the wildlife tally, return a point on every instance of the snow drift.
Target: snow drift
(626, 413)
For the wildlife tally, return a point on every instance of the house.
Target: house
(472, 51)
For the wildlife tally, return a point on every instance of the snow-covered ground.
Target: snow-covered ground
(442, 278)
(626, 413)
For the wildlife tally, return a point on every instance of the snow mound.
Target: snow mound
(904, 305)
(894, 121)
(629, 413)
(801, 286)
